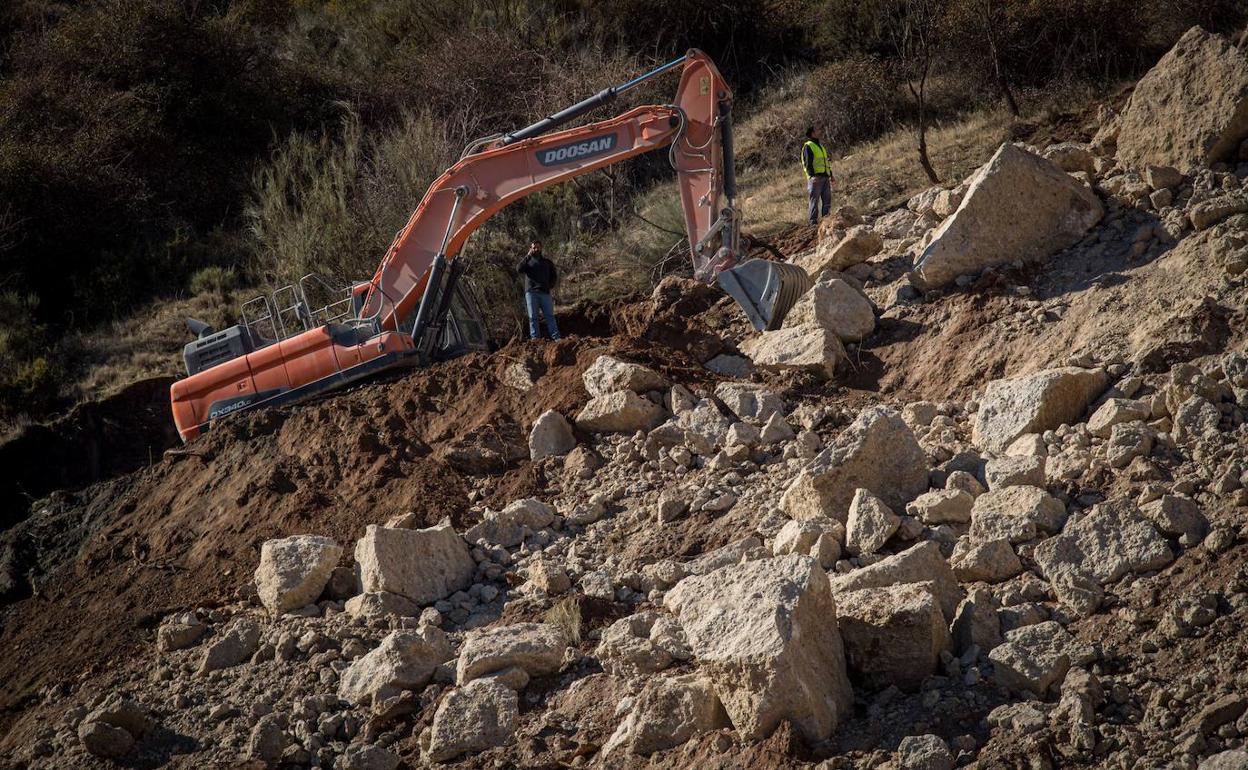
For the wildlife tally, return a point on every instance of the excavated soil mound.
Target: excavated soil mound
(102, 565)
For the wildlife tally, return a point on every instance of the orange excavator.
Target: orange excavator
(416, 310)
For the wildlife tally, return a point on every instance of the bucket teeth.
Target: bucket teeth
(766, 291)
(793, 284)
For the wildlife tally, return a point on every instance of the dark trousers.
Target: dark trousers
(819, 190)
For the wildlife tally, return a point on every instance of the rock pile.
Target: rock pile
(704, 572)
(933, 557)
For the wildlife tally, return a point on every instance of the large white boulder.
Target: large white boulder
(809, 348)
(405, 660)
(668, 712)
(820, 538)
(1116, 411)
(921, 563)
(609, 374)
(1016, 514)
(510, 526)
(633, 646)
(423, 565)
(1210, 212)
(1018, 206)
(988, 561)
(481, 715)
(877, 452)
(294, 570)
(620, 412)
(551, 436)
(1034, 403)
(924, 752)
(1111, 540)
(836, 307)
(838, 252)
(1071, 157)
(943, 506)
(179, 631)
(1177, 517)
(703, 427)
(1013, 470)
(535, 647)
(113, 728)
(1234, 759)
(232, 648)
(1036, 658)
(765, 633)
(376, 605)
(870, 524)
(753, 403)
(1191, 109)
(893, 634)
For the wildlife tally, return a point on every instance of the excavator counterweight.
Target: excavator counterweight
(415, 309)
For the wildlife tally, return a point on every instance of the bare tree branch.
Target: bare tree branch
(915, 31)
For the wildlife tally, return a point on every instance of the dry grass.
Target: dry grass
(879, 174)
(148, 344)
(565, 615)
(627, 260)
(875, 175)
(100, 362)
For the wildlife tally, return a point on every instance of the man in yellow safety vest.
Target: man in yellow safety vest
(819, 179)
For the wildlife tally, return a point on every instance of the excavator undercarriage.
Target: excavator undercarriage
(417, 309)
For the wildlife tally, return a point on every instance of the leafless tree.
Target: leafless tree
(988, 11)
(915, 30)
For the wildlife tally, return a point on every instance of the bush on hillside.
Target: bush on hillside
(27, 377)
(214, 280)
(849, 101)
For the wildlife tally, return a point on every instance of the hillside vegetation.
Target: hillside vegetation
(156, 149)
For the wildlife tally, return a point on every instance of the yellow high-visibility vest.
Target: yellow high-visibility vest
(819, 157)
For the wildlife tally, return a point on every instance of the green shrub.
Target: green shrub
(331, 203)
(213, 280)
(849, 101)
(28, 382)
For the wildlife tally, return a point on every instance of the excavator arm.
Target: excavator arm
(495, 172)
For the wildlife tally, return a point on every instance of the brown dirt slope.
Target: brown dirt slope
(104, 563)
(95, 441)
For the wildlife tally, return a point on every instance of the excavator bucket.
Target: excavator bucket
(765, 290)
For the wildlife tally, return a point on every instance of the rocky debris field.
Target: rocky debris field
(982, 501)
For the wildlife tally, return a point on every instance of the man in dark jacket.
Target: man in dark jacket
(540, 278)
(819, 178)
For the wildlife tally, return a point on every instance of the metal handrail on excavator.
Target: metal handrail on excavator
(267, 316)
(329, 312)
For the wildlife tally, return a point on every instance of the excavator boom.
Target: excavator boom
(414, 308)
(526, 161)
